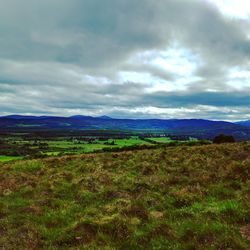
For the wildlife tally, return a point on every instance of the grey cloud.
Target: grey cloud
(49, 47)
(219, 99)
(93, 32)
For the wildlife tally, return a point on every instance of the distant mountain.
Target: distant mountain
(244, 123)
(24, 117)
(80, 116)
(90, 117)
(105, 117)
(192, 127)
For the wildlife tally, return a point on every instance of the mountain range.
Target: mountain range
(194, 127)
(244, 123)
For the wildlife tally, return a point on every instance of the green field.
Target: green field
(20, 146)
(84, 147)
(4, 158)
(161, 139)
(129, 142)
(163, 198)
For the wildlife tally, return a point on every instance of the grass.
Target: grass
(55, 147)
(129, 142)
(59, 146)
(4, 158)
(163, 198)
(161, 139)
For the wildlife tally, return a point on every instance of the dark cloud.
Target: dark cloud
(220, 99)
(91, 32)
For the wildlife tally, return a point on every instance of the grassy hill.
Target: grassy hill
(166, 198)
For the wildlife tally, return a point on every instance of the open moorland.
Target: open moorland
(160, 198)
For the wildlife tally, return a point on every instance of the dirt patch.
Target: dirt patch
(137, 211)
(81, 234)
(28, 239)
(118, 230)
(33, 209)
(245, 232)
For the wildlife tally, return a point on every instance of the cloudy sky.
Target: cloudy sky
(126, 58)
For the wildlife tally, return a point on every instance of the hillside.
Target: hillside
(244, 123)
(165, 198)
(202, 129)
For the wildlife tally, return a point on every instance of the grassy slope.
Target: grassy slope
(168, 198)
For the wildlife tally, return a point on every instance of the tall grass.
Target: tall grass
(164, 198)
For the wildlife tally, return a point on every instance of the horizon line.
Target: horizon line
(119, 118)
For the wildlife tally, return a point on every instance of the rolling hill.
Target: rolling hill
(244, 123)
(193, 127)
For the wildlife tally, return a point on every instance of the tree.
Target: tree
(223, 139)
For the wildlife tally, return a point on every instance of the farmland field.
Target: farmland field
(161, 139)
(33, 146)
(162, 198)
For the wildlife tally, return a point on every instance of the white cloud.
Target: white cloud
(234, 8)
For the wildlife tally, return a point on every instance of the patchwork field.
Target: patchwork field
(164, 198)
(17, 147)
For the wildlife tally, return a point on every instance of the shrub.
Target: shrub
(224, 139)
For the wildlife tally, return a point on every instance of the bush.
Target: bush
(224, 139)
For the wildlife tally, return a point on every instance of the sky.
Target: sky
(126, 58)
